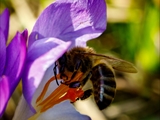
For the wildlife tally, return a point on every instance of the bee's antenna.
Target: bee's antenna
(55, 73)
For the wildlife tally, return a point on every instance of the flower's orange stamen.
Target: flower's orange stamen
(58, 92)
(72, 94)
(63, 92)
(53, 102)
(46, 87)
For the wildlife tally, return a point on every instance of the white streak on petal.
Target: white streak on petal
(89, 107)
(62, 111)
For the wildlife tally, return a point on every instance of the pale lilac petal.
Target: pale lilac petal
(41, 55)
(63, 111)
(2, 52)
(71, 20)
(4, 93)
(4, 22)
(16, 54)
(23, 111)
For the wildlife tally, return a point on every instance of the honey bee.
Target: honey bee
(79, 65)
(98, 68)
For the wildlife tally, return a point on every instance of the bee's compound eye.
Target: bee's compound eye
(75, 84)
(62, 69)
(62, 59)
(78, 63)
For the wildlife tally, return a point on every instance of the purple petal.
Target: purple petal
(4, 94)
(4, 22)
(41, 55)
(16, 54)
(2, 51)
(25, 34)
(71, 20)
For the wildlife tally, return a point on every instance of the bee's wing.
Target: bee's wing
(121, 65)
(117, 64)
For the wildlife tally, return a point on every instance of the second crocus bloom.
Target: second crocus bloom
(12, 59)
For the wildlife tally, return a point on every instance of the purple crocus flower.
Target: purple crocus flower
(12, 59)
(61, 26)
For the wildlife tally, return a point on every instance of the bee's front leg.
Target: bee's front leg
(79, 84)
(87, 94)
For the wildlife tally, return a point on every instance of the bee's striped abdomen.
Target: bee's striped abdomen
(104, 85)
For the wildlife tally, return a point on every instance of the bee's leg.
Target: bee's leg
(77, 84)
(87, 94)
(83, 82)
(68, 80)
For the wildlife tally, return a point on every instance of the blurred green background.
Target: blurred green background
(132, 34)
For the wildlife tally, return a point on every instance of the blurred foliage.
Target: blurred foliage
(134, 37)
(132, 34)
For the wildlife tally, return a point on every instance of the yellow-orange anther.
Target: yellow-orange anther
(61, 93)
